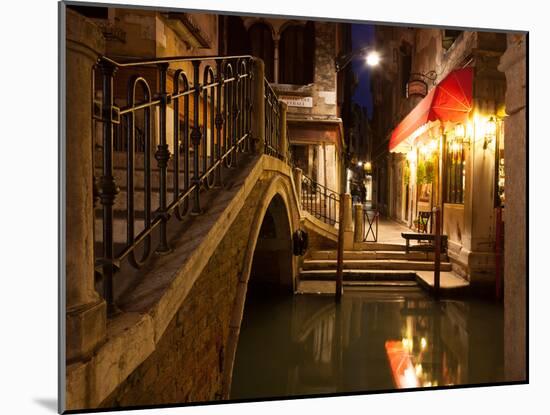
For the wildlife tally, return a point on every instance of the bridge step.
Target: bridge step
(359, 275)
(381, 283)
(401, 255)
(379, 246)
(374, 264)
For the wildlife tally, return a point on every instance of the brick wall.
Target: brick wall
(188, 362)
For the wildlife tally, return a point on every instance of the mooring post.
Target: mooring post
(437, 251)
(340, 253)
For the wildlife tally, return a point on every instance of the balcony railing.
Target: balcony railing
(170, 136)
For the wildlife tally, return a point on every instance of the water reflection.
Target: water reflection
(374, 340)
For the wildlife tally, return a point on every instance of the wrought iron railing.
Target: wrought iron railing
(195, 132)
(320, 201)
(370, 222)
(272, 123)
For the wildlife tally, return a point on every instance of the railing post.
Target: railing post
(196, 139)
(283, 139)
(85, 318)
(297, 173)
(437, 251)
(107, 188)
(359, 224)
(258, 106)
(219, 122)
(235, 115)
(162, 156)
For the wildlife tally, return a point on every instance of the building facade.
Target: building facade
(299, 64)
(439, 138)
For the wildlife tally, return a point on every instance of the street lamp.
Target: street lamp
(372, 58)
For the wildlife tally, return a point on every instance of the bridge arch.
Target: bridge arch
(275, 220)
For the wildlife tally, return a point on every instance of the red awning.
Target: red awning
(450, 100)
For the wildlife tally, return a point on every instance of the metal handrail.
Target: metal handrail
(272, 122)
(320, 201)
(171, 59)
(211, 126)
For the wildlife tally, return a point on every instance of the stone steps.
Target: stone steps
(353, 255)
(119, 230)
(374, 264)
(378, 246)
(359, 275)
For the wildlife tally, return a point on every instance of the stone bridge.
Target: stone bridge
(176, 338)
(168, 332)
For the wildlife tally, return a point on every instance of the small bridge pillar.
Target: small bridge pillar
(348, 221)
(359, 223)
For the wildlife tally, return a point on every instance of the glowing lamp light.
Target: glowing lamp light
(411, 156)
(360, 164)
(490, 132)
(432, 146)
(491, 127)
(373, 59)
(423, 343)
(460, 131)
(455, 146)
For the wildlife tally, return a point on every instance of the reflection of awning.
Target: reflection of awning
(402, 369)
(450, 100)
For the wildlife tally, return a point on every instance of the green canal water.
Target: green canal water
(375, 339)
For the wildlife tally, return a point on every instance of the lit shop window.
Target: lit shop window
(499, 166)
(455, 168)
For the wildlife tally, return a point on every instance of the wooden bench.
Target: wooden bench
(430, 237)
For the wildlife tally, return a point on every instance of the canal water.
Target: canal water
(375, 339)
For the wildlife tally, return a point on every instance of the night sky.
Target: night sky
(362, 35)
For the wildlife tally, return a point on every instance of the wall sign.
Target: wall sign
(296, 101)
(417, 87)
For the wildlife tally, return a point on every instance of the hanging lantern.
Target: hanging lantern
(490, 132)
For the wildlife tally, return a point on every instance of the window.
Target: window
(455, 169)
(499, 168)
(261, 45)
(297, 55)
(233, 36)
